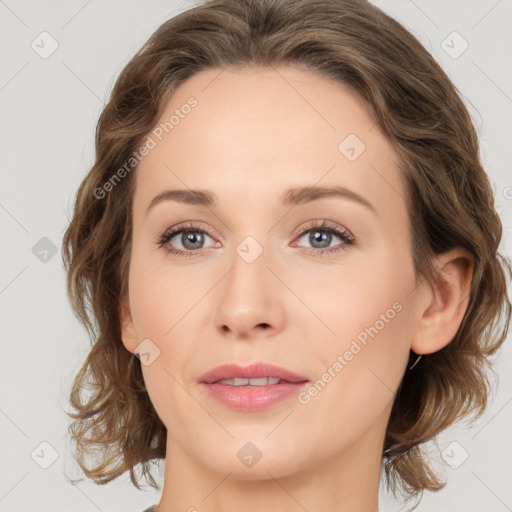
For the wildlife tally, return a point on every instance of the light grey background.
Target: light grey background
(49, 108)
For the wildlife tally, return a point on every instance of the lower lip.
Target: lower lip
(247, 398)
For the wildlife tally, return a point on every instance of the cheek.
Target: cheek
(159, 295)
(370, 316)
(351, 299)
(160, 300)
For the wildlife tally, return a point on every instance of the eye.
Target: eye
(190, 239)
(321, 235)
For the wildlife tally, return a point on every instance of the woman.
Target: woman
(286, 254)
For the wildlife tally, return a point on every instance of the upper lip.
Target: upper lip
(253, 371)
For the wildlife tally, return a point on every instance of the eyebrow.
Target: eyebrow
(291, 197)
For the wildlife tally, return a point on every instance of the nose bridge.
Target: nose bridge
(247, 297)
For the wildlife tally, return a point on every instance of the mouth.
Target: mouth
(253, 387)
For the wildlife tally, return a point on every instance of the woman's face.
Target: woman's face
(258, 281)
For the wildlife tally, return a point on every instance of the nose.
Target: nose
(248, 301)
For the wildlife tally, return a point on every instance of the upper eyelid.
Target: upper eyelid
(322, 225)
(187, 227)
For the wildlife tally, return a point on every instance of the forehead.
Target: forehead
(257, 130)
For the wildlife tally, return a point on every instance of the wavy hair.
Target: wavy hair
(449, 198)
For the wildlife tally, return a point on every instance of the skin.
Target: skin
(255, 133)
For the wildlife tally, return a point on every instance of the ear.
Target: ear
(445, 302)
(128, 333)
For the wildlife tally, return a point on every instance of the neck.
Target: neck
(347, 481)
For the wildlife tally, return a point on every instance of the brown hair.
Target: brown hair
(449, 198)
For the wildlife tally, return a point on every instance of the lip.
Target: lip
(251, 398)
(253, 371)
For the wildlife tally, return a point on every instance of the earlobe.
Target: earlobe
(448, 299)
(128, 334)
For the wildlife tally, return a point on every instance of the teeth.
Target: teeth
(263, 381)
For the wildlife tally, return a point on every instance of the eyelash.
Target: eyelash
(324, 226)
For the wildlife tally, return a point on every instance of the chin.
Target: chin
(253, 460)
